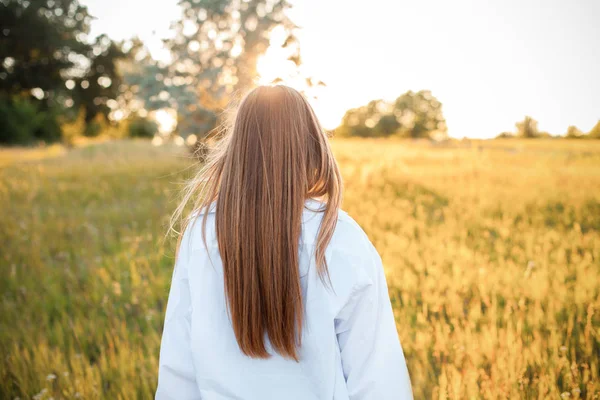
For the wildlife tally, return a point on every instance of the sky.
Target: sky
(490, 63)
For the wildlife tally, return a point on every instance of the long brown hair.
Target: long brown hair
(265, 166)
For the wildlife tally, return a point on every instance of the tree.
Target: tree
(41, 42)
(594, 133)
(420, 115)
(505, 135)
(100, 83)
(413, 114)
(362, 121)
(45, 57)
(528, 128)
(141, 127)
(214, 54)
(573, 133)
(387, 125)
(22, 122)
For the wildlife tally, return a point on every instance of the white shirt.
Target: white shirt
(350, 347)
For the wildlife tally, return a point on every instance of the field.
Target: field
(491, 249)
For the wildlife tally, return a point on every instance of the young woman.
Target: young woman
(276, 293)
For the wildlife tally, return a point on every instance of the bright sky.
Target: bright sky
(490, 63)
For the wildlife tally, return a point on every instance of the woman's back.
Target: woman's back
(275, 296)
(349, 344)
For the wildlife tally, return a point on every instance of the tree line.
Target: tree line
(48, 69)
(56, 83)
(528, 129)
(413, 114)
(419, 115)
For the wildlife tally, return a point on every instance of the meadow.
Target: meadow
(491, 250)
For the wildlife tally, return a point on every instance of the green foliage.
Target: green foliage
(387, 125)
(139, 127)
(23, 121)
(361, 121)
(414, 114)
(93, 129)
(214, 50)
(73, 128)
(101, 83)
(528, 128)
(420, 115)
(574, 132)
(44, 54)
(506, 135)
(594, 133)
(39, 44)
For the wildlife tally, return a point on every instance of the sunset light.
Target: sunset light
(166, 120)
(489, 66)
(176, 217)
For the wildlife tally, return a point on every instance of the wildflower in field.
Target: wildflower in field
(41, 394)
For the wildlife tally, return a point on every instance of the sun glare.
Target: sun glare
(275, 67)
(166, 120)
(272, 67)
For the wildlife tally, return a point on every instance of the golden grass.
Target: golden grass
(492, 252)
